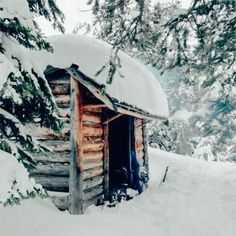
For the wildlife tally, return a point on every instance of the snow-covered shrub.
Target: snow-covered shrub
(15, 183)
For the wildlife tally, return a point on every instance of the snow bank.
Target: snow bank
(133, 84)
(197, 199)
(15, 183)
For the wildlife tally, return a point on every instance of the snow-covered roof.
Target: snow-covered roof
(133, 87)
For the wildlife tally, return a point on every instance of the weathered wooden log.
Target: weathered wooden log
(76, 194)
(55, 169)
(138, 142)
(106, 162)
(140, 154)
(138, 131)
(50, 134)
(57, 145)
(90, 183)
(52, 157)
(137, 122)
(91, 131)
(53, 183)
(60, 89)
(94, 201)
(146, 158)
(94, 110)
(92, 147)
(93, 172)
(139, 148)
(92, 165)
(93, 118)
(93, 156)
(93, 192)
(92, 139)
(62, 99)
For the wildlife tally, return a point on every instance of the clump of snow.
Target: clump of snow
(15, 183)
(197, 199)
(132, 84)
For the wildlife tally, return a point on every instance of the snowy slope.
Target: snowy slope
(197, 199)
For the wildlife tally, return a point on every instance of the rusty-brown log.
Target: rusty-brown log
(91, 131)
(93, 118)
(139, 147)
(93, 156)
(92, 147)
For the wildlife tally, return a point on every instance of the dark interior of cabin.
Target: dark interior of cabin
(121, 142)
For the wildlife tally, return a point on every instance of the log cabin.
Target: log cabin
(104, 122)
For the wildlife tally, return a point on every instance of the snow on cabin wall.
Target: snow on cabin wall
(133, 84)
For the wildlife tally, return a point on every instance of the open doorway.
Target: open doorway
(121, 143)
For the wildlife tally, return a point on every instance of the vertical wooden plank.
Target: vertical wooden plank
(106, 161)
(146, 158)
(76, 194)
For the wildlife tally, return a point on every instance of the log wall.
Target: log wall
(139, 141)
(53, 168)
(93, 145)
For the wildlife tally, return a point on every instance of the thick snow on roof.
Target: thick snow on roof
(132, 83)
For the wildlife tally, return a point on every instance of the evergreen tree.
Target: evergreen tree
(199, 43)
(24, 95)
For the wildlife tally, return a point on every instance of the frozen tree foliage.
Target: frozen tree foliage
(200, 44)
(24, 96)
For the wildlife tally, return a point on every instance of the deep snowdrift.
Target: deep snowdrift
(197, 199)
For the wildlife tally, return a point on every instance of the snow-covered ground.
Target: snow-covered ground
(197, 199)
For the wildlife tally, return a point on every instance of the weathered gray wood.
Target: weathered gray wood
(76, 194)
(55, 169)
(106, 161)
(92, 165)
(53, 183)
(93, 172)
(93, 192)
(57, 145)
(94, 200)
(90, 183)
(51, 158)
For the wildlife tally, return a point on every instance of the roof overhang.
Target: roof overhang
(98, 91)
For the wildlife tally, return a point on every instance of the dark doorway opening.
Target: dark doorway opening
(121, 143)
